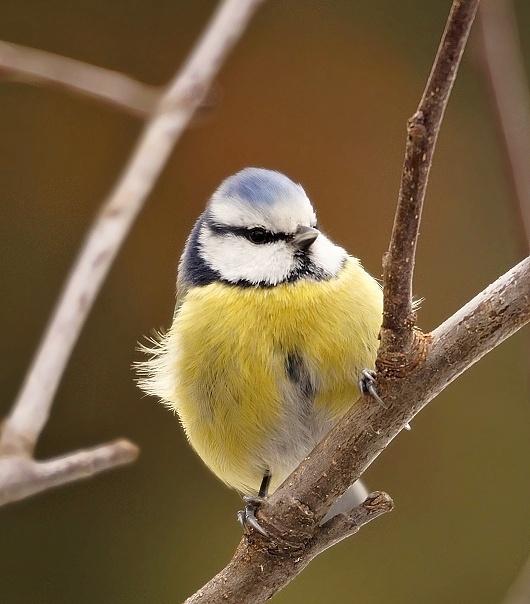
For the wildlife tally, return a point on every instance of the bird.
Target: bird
(274, 337)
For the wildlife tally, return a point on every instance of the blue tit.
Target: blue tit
(273, 328)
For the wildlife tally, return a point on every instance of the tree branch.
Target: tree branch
(397, 334)
(505, 73)
(21, 477)
(177, 105)
(37, 66)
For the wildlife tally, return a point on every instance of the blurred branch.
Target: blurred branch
(503, 65)
(22, 427)
(397, 331)
(21, 477)
(519, 592)
(37, 66)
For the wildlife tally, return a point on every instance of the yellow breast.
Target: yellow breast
(226, 372)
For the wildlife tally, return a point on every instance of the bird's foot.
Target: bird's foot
(367, 386)
(247, 517)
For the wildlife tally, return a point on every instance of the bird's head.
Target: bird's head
(259, 228)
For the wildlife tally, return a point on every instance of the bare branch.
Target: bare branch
(21, 477)
(177, 105)
(483, 323)
(37, 66)
(503, 65)
(397, 335)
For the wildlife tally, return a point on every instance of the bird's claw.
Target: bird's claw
(367, 386)
(247, 517)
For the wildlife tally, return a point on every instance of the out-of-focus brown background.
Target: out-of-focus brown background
(321, 91)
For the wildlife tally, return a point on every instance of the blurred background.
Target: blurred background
(321, 91)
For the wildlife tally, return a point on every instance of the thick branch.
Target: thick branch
(505, 71)
(21, 477)
(397, 335)
(37, 66)
(176, 108)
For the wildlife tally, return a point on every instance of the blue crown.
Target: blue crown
(259, 186)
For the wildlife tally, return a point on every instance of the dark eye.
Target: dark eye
(258, 235)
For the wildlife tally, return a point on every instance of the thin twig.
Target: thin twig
(37, 66)
(397, 333)
(21, 477)
(504, 68)
(342, 526)
(31, 410)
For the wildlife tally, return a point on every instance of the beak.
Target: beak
(305, 237)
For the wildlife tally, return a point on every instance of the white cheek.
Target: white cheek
(326, 255)
(235, 259)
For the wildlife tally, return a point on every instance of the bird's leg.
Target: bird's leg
(367, 386)
(247, 517)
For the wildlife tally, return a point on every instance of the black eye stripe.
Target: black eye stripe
(268, 236)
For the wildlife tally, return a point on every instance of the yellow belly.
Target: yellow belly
(225, 369)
